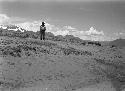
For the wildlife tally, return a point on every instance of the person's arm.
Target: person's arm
(40, 28)
(45, 28)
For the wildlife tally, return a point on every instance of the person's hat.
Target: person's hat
(43, 24)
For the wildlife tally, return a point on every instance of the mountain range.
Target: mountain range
(118, 42)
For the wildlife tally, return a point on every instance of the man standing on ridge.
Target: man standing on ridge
(42, 31)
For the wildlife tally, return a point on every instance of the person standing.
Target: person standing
(42, 31)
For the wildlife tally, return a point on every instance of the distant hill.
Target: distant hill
(15, 31)
(118, 42)
(12, 28)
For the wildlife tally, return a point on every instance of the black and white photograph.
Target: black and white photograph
(62, 45)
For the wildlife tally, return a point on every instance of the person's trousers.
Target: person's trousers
(42, 36)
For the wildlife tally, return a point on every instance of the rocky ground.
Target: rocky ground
(28, 64)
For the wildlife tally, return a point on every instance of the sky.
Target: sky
(100, 20)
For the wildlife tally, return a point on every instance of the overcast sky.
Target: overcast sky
(107, 16)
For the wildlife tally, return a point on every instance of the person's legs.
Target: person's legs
(43, 35)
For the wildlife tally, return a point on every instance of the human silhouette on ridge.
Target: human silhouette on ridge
(42, 31)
